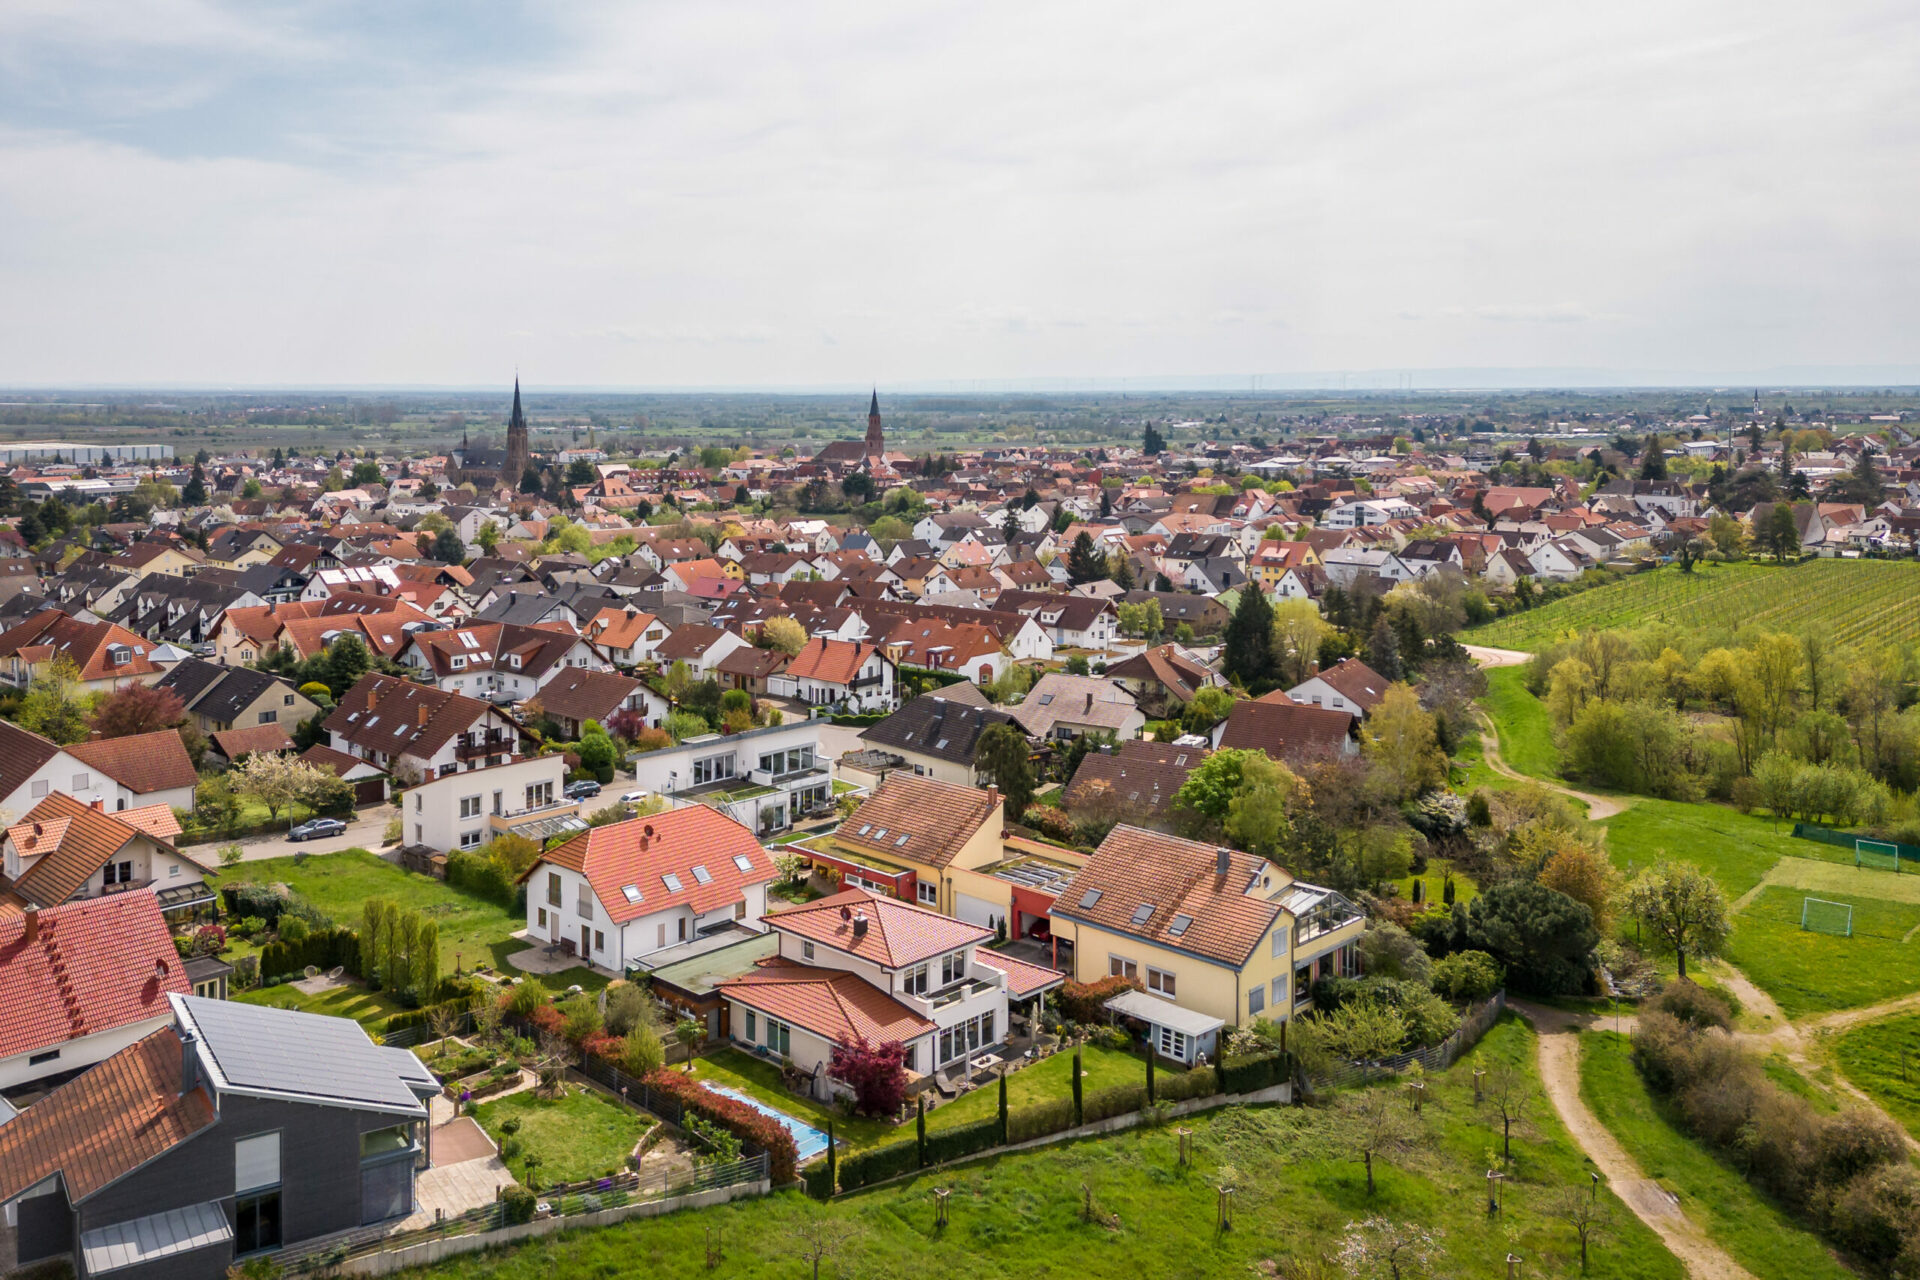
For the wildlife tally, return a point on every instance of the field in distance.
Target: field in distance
(1855, 602)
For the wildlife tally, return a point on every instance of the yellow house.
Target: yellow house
(1216, 937)
(912, 839)
(146, 559)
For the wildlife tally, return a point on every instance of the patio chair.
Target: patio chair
(312, 971)
(336, 973)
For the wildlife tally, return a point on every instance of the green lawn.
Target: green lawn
(1762, 1238)
(583, 1135)
(370, 1009)
(1807, 972)
(1021, 1214)
(1735, 849)
(1526, 731)
(472, 930)
(1883, 1058)
(1433, 883)
(1049, 1078)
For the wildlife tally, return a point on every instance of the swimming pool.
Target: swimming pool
(808, 1141)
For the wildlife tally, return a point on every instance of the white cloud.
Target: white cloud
(746, 193)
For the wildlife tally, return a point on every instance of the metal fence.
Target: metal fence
(1435, 1057)
(1847, 839)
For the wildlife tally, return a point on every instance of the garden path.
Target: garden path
(1599, 808)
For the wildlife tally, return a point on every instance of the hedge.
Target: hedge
(816, 1176)
(963, 1140)
(254, 900)
(1118, 1100)
(323, 949)
(481, 876)
(1039, 1120)
(879, 1164)
(1201, 1082)
(1244, 1075)
(424, 1014)
(1086, 1001)
(737, 1118)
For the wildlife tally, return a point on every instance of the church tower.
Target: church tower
(518, 454)
(876, 439)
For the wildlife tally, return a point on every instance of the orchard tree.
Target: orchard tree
(1682, 908)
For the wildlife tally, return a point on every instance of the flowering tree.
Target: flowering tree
(875, 1072)
(1381, 1249)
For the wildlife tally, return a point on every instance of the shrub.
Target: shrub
(642, 1051)
(817, 1177)
(1115, 1100)
(629, 1005)
(294, 929)
(1877, 1217)
(1049, 822)
(1086, 1001)
(209, 940)
(1039, 1120)
(1244, 1075)
(875, 1071)
(963, 1140)
(517, 1204)
(1201, 1082)
(581, 1017)
(879, 1164)
(247, 926)
(526, 996)
(1694, 1004)
(481, 876)
(322, 948)
(749, 1124)
(246, 972)
(1466, 975)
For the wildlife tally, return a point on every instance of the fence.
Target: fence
(577, 1202)
(1435, 1057)
(1845, 840)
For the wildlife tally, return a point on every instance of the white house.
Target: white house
(1345, 565)
(762, 778)
(618, 893)
(524, 796)
(838, 673)
(1369, 512)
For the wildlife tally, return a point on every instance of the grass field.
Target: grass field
(1809, 972)
(1050, 1078)
(1021, 1214)
(583, 1135)
(472, 930)
(1526, 731)
(1736, 849)
(1854, 602)
(1883, 1058)
(1761, 1237)
(369, 1008)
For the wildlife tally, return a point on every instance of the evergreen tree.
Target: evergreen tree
(195, 493)
(1084, 562)
(530, 481)
(448, 549)
(1782, 536)
(1106, 502)
(1653, 461)
(1798, 488)
(1121, 571)
(1383, 650)
(29, 528)
(1153, 442)
(1001, 757)
(1249, 640)
(1161, 582)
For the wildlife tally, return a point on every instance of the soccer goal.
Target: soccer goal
(1821, 916)
(1880, 855)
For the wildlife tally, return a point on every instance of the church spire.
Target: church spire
(517, 419)
(876, 439)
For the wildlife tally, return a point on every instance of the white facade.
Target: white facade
(561, 906)
(760, 778)
(454, 811)
(71, 1055)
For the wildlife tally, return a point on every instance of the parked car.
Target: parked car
(636, 797)
(583, 790)
(317, 829)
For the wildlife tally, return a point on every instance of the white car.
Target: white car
(636, 797)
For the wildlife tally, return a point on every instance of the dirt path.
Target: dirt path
(1496, 657)
(1560, 1075)
(1599, 808)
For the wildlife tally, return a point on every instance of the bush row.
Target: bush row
(879, 1164)
(1201, 1082)
(323, 949)
(1087, 1001)
(1846, 1172)
(481, 876)
(737, 1118)
(1039, 1120)
(1115, 1100)
(963, 1140)
(1245, 1075)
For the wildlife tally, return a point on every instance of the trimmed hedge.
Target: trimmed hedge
(424, 1014)
(1201, 1082)
(480, 876)
(1117, 1100)
(737, 1118)
(879, 1164)
(1040, 1120)
(1244, 1075)
(965, 1140)
(816, 1177)
(323, 949)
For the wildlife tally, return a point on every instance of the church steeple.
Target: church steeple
(518, 451)
(876, 439)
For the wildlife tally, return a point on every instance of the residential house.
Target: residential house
(64, 850)
(220, 697)
(499, 661)
(935, 644)
(1136, 779)
(1061, 706)
(840, 673)
(1163, 680)
(616, 894)
(1072, 622)
(1345, 565)
(935, 736)
(520, 795)
(1286, 730)
(138, 770)
(415, 732)
(627, 635)
(905, 836)
(1216, 938)
(699, 646)
(235, 1130)
(1349, 685)
(763, 778)
(80, 982)
(573, 696)
(104, 656)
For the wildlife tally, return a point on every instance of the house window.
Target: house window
(469, 806)
(269, 717)
(584, 906)
(927, 892)
(256, 1185)
(540, 793)
(1172, 1044)
(1279, 993)
(713, 769)
(1303, 981)
(1279, 942)
(1160, 982)
(914, 980)
(287, 701)
(806, 951)
(51, 1055)
(81, 781)
(553, 888)
(1256, 1000)
(739, 911)
(470, 839)
(683, 928)
(953, 968)
(779, 1037)
(599, 940)
(40, 790)
(1121, 967)
(543, 917)
(750, 1027)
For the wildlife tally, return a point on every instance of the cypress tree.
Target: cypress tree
(1150, 1097)
(1003, 1109)
(372, 951)
(833, 1161)
(1078, 1102)
(1249, 639)
(920, 1129)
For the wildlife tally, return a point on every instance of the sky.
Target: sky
(747, 193)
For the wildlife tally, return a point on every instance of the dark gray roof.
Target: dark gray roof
(303, 1057)
(931, 725)
(192, 678)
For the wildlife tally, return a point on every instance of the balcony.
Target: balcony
(541, 821)
(786, 781)
(962, 991)
(494, 744)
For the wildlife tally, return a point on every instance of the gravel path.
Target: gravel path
(1599, 808)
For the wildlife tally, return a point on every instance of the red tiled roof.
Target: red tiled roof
(1358, 682)
(934, 818)
(1024, 980)
(1283, 728)
(1135, 868)
(830, 661)
(642, 852)
(141, 762)
(91, 967)
(898, 933)
(831, 1003)
(106, 1123)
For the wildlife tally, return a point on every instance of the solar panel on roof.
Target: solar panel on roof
(1143, 913)
(1088, 898)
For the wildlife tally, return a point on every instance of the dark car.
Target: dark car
(317, 829)
(583, 790)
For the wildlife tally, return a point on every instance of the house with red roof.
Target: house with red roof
(82, 981)
(1349, 685)
(845, 673)
(64, 850)
(616, 894)
(861, 965)
(104, 655)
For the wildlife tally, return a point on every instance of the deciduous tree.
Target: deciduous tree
(1682, 908)
(875, 1071)
(137, 708)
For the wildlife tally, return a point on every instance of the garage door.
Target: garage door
(369, 791)
(975, 911)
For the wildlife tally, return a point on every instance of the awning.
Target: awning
(1164, 1013)
(160, 1235)
(183, 895)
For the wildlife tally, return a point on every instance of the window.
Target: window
(1279, 993)
(672, 882)
(1256, 1000)
(287, 701)
(256, 1162)
(599, 940)
(662, 940)
(553, 888)
(953, 968)
(701, 874)
(469, 806)
(927, 892)
(1121, 967)
(1279, 942)
(419, 801)
(743, 862)
(740, 910)
(470, 839)
(779, 1037)
(81, 781)
(713, 769)
(583, 906)
(51, 1055)
(1303, 981)
(914, 980)
(1160, 982)
(256, 1222)
(683, 928)
(543, 917)
(40, 790)
(1172, 1044)
(751, 1039)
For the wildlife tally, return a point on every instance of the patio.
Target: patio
(543, 957)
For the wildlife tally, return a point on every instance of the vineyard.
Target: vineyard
(1854, 602)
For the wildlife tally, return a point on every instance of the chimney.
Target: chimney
(189, 1058)
(99, 806)
(1222, 860)
(1089, 702)
(993, 795)
(32, 933)
(646, 837)
(860, 925)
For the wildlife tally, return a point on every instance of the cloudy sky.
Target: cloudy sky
(763, 192)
